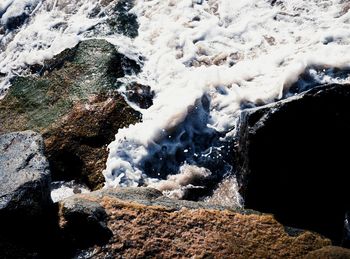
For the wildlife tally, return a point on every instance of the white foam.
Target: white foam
(234, 52)
(54, 26)
(226, 194)
(62, 190)
(175, 186)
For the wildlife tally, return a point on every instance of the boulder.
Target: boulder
(329, 252)
(25, 203)
(142, 95)
(83, 222)
(291, 159)
(73, 101)
(145, 224)
(24, 176)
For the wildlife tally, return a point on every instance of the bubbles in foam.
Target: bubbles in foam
(50, 27)
(62, 190)
(204, 61)
(175, 186)
(235, 53)
(226, 193)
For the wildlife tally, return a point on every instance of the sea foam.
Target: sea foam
(234, 54)
(205, 61)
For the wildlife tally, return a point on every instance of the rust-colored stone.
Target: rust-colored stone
(78, 143)
(329, 252)
(156, 229)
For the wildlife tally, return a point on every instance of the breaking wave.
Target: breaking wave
(203, 61)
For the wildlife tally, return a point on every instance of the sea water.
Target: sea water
(205, 61)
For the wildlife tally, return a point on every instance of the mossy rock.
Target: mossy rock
(73, 101)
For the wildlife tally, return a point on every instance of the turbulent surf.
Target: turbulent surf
(202, 61)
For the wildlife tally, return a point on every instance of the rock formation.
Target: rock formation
(74, 103)
(292, 160)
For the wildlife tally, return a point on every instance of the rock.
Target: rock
(346, 233)
(145, 224)
(25, 204)
(291, 159)
(83, 222)
(120, 19)
(140, 94)
(153, 197)
(24, 176)
(329, 252)
(73, 102)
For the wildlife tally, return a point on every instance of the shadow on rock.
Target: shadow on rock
(292, 159)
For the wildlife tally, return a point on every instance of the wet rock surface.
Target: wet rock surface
(146, 224)
(329, 252)
(140, 94)
(121, 19)
(13, 14)
(73, 102)
(142, 223)
(83, 222)
(291, 159)
(25, 203)
(24, 176)
(118, 18)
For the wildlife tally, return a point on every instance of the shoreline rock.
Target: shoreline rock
(73, 102)
(144, 223)
(291, 161)
(24, 176)
(25, 205)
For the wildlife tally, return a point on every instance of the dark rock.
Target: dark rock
(73, 102)
(24, 176)
(83, 222)
(121, 20)
(16, 21)
(77, 148)
(140, 94)
(292, 161)
(118, 18)
(25, 205)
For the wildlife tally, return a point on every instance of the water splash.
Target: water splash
(235, 55)
(204, 62)
(32, 31)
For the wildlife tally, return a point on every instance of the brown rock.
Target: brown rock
(73, 102)
(153, 226)
(329, 252)
(78, 144)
